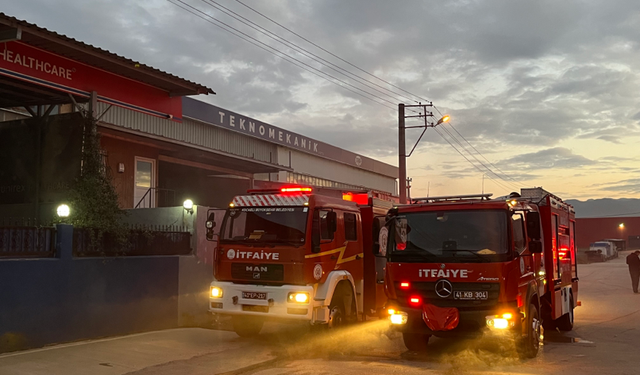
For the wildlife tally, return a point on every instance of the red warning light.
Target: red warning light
(401, 246)
(359, 198)
(296, 189)
(404, 285)
(562, 253)
(415, 300)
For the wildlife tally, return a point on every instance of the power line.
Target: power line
(479, 153)
(332, 54)
(470, 162)
(277, 52)
(324, 75)
(301, 50)
(474, 157)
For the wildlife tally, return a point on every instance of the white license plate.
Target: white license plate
(254, 295)
(471, 295)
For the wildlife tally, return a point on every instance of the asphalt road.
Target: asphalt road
(605, 340)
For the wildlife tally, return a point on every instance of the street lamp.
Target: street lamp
(63, 211)
(402, 149)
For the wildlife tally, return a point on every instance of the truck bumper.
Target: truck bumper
(274, 305)
(472, 322)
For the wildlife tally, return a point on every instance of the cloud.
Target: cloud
(629, 186)
(532, 79)
(556, 158)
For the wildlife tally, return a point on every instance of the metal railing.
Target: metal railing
(139, 241)
(23, 238)
(163, 197)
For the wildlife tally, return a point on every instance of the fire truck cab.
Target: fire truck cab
(293, 254)
(465, 264)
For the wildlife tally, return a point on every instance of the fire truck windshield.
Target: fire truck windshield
(265, 224)
(454, 236)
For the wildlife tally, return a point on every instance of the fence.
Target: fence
(23, 238)
(138, 241)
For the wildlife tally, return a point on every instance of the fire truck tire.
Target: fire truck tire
(337, 316)
(565, 322)
(247, 326)
(415, 342)
(529, 345)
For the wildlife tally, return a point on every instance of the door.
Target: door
(144, 195)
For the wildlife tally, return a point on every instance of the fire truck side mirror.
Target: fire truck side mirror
(332, 221)
(533, 225)
(210, 224)
(535, 247)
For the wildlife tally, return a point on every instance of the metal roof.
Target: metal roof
(73, 49)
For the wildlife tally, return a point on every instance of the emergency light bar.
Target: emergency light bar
(359, 198)
(297, 189)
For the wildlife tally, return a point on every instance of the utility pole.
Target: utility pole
(402, 150)
(402, 162)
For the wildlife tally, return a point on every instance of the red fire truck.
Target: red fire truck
(460, 265)
(293, 254)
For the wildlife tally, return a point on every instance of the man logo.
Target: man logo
(256, 275)
(231, 254)
(444, 288)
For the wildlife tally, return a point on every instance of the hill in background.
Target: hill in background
(606, 207)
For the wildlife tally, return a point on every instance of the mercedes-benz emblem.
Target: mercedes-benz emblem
(444, 288)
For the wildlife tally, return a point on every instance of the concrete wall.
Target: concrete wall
(45, 301)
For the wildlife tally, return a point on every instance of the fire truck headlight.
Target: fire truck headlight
(298, 297)
(503, 321)
(500, 323)
(216, 292)
(399, 317)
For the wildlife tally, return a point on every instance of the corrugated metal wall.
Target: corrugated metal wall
(215, 138)
(331, 170)
(191, 131)
(590, 230)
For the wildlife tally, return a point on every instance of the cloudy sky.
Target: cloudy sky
(541, 93)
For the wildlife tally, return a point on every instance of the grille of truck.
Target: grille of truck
(427, 291)
(257, 272)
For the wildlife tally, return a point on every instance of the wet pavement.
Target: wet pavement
(605, 340)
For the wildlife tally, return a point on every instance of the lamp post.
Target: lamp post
(402, 147)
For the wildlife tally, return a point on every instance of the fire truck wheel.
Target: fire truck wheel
(529, 345)
(565, 322)
(337, 317)
(415, 342)
(247, 326)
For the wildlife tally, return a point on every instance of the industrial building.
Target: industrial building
(159, 145)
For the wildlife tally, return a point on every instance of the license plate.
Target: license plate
(254, 295)
(471, 295)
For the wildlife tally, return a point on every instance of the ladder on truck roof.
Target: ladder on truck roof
(451, 198)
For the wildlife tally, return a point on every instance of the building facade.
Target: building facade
(159, 146)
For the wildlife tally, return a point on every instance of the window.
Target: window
(378, 223)
(266, 224)
(519, 241)
(325, 233)
(350, 227)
